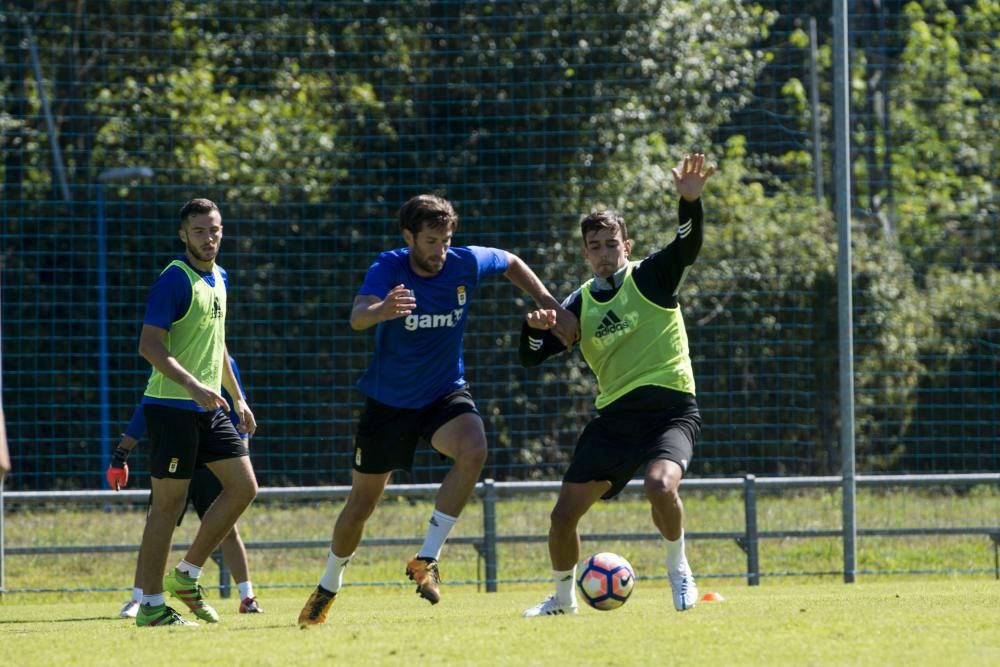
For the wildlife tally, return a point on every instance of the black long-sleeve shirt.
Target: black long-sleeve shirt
(658, 277)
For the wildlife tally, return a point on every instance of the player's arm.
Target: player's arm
(248, 423)
(538, 342)
(565, 325)
(154, 350)
(659, 277)
(369, 310)
(690, 178)
(117, 472)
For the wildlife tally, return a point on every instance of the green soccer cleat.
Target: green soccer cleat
(187, 590)
(151, 617)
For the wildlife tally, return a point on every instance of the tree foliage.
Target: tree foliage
(312, 121)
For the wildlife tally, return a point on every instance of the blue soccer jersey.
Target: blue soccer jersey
(418, 358)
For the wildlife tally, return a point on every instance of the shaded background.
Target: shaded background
(309, 123)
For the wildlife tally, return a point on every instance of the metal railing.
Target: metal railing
(490, 491)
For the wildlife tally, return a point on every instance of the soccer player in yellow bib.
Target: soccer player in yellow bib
(632, 337)
(184, 340)
(202, 492)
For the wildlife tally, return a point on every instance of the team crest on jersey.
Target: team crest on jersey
(461, 295)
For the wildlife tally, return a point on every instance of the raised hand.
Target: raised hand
(691, 175)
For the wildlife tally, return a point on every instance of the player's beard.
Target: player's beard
(425, 265)
(202, 255)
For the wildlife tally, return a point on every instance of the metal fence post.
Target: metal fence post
(490, 533)
(225, 588)
(845, 317)
(750, 518)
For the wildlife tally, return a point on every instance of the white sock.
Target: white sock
(154, 600)
(136, 594)
(333, 576)
(245, 589)
(189, 570)
(437, 532)
(565, 585)
(675, 554)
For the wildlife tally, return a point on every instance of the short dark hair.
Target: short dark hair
(605, 219)
(198, 206)
(431, 210)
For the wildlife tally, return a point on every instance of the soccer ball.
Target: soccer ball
(605, 581)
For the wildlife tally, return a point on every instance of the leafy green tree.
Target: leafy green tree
(312, 121)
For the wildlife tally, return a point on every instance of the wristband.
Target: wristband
(120, 456)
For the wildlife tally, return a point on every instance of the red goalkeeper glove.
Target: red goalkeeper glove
(117, 474)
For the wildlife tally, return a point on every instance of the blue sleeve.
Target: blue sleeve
(381, 277)
(169, 299)
(490, 260)
(233, 417)
(137, 425)
(239, 382)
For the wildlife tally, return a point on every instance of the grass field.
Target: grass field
(802, 614)
(938, 621)
(811, 559)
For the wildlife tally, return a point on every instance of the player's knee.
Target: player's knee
(243, 493)
(358, 509)
(473, 453)
(479, 453)
(562, 519)
(662, 487)
(168, 504)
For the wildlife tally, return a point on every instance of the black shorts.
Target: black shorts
(387, 437)
(182, 440)
(204, 489)
(614, 446)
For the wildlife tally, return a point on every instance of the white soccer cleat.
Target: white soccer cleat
(129, 610)
(683, 587)
(550, 606)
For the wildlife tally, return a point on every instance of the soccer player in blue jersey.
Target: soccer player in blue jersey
(417, 299)
(184, 339)
(204, 489)
(632, 336)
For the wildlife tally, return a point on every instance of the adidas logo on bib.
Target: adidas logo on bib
(610, 324)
